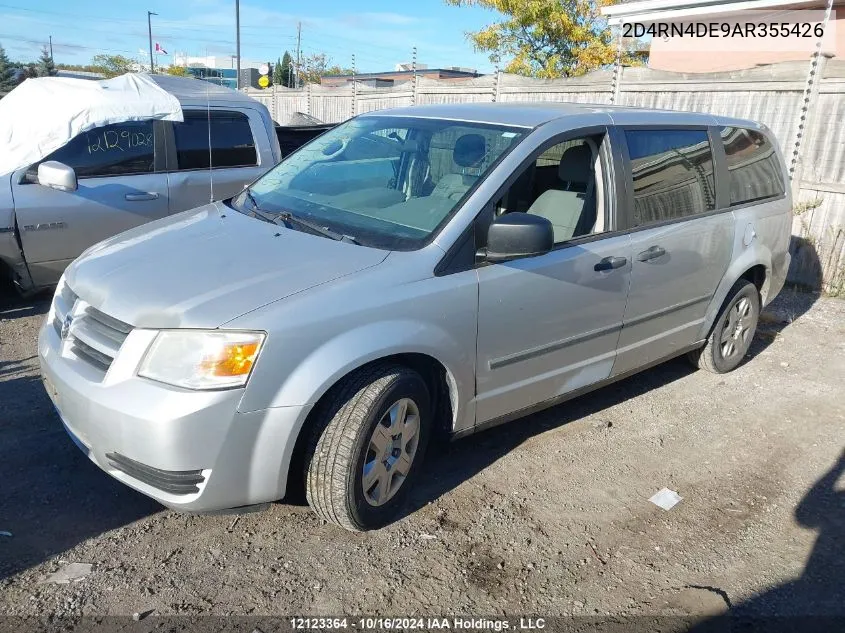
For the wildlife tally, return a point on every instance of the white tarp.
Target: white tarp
(42, 115)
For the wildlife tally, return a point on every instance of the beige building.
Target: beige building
(669, 25)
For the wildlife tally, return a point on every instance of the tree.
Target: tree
(88, 68)
(318, 65)
(279, 78)
(270, 74)
(46, 67)
(547, 38)
(112, 65)
(177, 71)
(8, 73)
(284, 70)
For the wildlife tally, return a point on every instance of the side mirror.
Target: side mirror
(57, 175)
(516, 235)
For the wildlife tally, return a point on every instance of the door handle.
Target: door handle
(610, 263)
(652, 253)
(140, 197)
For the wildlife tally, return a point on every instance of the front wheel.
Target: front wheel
(368, 442)
(733, 331)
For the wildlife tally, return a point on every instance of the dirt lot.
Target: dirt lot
(548, 515)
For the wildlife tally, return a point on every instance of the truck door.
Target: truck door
(213, 155)
(119, 187)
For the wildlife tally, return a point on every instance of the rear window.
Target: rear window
(753, 166)
(230, 140)
(672, 174)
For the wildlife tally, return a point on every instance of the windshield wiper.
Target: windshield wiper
(286, 217)
(256, 210)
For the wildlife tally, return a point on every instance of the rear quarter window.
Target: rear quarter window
(672, 172)
(224, 138)
(754, 170)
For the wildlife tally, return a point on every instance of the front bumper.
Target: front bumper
(189, 450)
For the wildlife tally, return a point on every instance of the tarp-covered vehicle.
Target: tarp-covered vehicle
(81, 161)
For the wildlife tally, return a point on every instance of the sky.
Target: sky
(380, 33)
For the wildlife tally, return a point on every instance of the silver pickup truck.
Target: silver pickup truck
(116, 177)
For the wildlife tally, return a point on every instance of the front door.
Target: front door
(214, 155)
(549, 325)
(119, 188)
(681, 245)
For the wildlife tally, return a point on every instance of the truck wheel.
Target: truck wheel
(367, 446)
(733, 331)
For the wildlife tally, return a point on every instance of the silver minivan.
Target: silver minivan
(426, 269)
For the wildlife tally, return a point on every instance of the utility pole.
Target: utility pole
(298, 57)
(238, 39)
(150, 31)
(51, 47)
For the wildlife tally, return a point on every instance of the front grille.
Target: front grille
(86, 352)
(177, 482)
(96, 337)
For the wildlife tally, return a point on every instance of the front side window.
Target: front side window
(216, 139)
(672, 174)
(111, 150)
(388, 182)
(564, 184)
(753, 167)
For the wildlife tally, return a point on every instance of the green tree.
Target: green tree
(278, 76)
(88, 68)
(177, 71)
(8, 73)
(547, 38)
(286, 71)
(46, 67)
(318, 65)
(112, 65)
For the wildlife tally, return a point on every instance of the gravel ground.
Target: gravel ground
(548, 515)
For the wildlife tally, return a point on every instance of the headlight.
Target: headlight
(202, 359)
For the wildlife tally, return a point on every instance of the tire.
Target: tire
(356, 429)
(732, 332)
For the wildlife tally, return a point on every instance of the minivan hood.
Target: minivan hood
(205, 267)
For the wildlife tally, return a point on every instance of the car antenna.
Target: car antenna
(208, 119)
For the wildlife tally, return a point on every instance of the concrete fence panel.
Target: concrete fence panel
(772, 94)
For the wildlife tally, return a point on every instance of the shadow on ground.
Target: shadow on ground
(53, 497)
(815, 601)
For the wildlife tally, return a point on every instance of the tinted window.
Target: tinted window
(755, 173)
(672, 172)
(125, 148)
(231, 140)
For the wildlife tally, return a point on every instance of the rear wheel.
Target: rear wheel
(733, 331)
(370, 437)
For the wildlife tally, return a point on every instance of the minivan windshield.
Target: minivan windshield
(382, 181)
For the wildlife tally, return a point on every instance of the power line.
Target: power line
(181, 26)
(16, 38)
(316, 42)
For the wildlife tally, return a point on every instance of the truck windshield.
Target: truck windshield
(388, 182)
